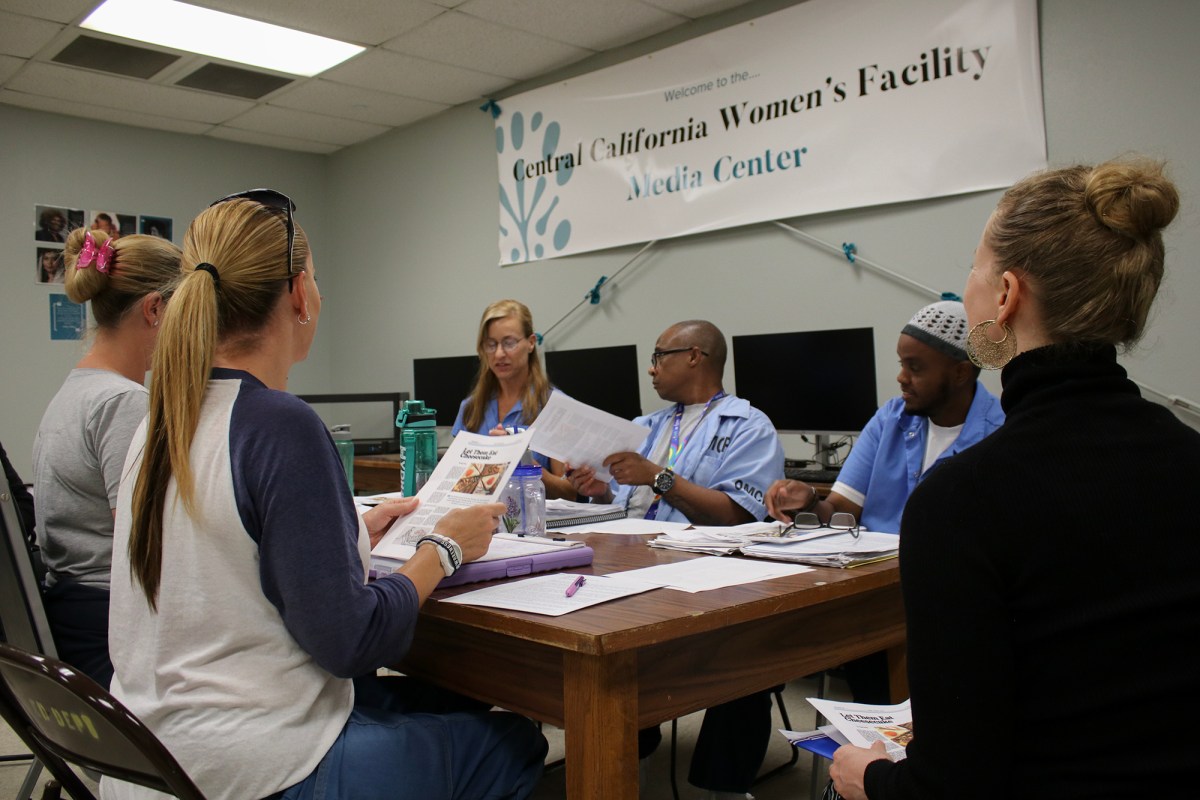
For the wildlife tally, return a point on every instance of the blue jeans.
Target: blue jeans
(392, 755)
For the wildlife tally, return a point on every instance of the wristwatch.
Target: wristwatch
(449, 553)
(664, 482)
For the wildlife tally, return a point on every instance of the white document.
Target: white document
(474, 470)
(863, 724)
(627, 527)
(547, 594)
(577, 434)
(711, 572)
(503, 545)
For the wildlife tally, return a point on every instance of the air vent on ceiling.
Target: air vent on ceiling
(234, 81)
(123, 59)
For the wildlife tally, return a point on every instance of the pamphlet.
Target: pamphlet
(475, 470)
(577, 434)
(863, 725)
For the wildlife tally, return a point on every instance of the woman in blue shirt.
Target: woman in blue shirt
(511, 387)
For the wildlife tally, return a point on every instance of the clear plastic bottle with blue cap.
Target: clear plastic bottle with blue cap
(524, 500)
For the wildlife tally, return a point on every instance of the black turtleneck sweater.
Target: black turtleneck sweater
(1051, 578)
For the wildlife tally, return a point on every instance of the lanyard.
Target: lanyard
(675, 446)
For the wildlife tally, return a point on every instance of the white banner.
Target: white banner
(827, 105)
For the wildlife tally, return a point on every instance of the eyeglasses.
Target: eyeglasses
(657, 354)
(806, 521)
(507, 344)
(269, 198)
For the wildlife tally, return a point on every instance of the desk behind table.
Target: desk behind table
(377, 473)
(607, 671)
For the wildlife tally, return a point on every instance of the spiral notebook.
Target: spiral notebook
(566, 513)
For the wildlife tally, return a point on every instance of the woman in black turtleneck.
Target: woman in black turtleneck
(1050, 572)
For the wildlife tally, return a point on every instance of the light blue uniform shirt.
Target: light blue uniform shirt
(735, 450)
(885, 464)
(491, 418)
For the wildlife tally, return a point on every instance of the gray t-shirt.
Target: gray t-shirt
(78, 456)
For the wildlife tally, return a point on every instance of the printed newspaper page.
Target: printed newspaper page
(863, 725)
(474, 470)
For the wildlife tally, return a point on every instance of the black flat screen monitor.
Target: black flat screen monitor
(603, 377)
(370, 415)
(443, 383)
(820, 382)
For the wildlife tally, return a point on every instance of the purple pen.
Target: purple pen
(575, 584)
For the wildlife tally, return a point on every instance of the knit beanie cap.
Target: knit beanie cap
(942, 326)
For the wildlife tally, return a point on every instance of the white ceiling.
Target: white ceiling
(422, 57)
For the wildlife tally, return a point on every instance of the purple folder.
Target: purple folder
(513, 567)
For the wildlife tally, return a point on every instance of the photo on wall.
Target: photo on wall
(55, 222)
(155, 226)
(67, 320)
(114, 224)
(50, 267)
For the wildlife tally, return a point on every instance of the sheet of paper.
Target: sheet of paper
(709, 572)
(546, 594)
(475, 470)
(577, 434)
(370, 500)
(627, 527)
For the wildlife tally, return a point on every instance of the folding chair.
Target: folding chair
(21, 613)
(67, 718)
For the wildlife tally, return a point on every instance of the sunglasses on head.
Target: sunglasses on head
(269, 198)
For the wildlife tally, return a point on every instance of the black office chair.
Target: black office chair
(777, 693)
(67, 718)
(21, 613)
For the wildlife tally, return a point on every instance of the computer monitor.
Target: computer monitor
(442, 383)
(370, 415)
(818, 382)
(603, 377)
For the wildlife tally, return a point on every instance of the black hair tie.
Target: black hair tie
(211, 270)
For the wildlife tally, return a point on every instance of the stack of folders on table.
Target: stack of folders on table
(565, 513)
(820, 548)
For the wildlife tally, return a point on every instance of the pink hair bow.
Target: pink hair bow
(101, 254)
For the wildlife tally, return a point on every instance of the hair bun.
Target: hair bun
(83, 285)
(1134, 198)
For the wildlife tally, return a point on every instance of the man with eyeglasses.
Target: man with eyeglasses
(708, 460)
(942, 410)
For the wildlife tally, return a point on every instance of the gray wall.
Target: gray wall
(404, 227)
(50, 159)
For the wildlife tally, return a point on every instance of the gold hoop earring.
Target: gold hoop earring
(987, 354)
(304, 321)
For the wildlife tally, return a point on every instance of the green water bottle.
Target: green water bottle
(418, 445)
(345, 446)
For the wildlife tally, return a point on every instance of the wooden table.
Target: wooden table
(379, 473)
(603, 673)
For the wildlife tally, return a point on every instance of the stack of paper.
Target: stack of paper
(837, 550)
(721, 541)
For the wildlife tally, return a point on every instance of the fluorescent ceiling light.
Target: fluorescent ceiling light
(219, 35)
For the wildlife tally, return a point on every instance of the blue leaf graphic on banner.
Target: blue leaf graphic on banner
(529, 212)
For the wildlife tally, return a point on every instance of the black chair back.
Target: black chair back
(66, 717)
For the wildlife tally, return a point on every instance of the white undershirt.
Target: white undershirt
(937, 442)
(642, 496)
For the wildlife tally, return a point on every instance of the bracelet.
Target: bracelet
(449, 552)
(812, 501)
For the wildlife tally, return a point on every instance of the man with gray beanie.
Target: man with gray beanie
(942, 409)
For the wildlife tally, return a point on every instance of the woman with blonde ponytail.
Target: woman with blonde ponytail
(243, 610)
(81, 443)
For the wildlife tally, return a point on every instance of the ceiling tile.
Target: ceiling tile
(350, 102)
(56, 10)
(305, 125)
(271, 140)
(466, 41)
(368, 22)
(106, 113)
(386, 71)
(84, 86)
(9, 66)
(584, 23)
(25, 36)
